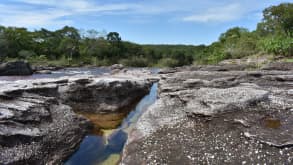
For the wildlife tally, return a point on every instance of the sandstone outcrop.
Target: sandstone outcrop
(216, 117)
(38, 123)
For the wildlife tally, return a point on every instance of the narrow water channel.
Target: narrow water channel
(106, 149)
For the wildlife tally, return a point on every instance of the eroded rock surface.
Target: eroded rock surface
(38, 123)
(103, 95)
(216, 117)
(278, 66)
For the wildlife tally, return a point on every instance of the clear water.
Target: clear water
(96, 149)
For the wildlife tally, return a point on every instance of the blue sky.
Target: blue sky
(141, 21)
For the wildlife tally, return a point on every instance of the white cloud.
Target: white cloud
(60, 3)
(76, 6)
(217, 14)
(27, 17)
(40, 13)
(52, 12)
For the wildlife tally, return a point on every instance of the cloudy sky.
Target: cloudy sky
(141, 21)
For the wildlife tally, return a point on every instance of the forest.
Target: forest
(73, 47)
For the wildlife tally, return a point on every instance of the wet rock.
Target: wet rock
(15, 68)
(216, 117)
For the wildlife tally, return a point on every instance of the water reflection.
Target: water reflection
(95, 149)
(272, 123)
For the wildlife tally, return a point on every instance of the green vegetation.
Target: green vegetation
(71, 47)
(274, 35)
(288, 60)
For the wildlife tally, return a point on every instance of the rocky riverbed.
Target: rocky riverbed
(39, 118)
(216, 115)
(203, 115)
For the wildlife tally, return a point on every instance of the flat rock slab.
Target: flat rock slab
(216, 117)
(208, 101)
(198, 141)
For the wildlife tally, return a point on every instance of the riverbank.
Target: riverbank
(254, 61)
(20, 68)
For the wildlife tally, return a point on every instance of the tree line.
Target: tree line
(273, 35)
(69, 46)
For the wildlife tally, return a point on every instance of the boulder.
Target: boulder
(117, 66)
(17, 68)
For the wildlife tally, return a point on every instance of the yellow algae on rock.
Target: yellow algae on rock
(111, 160)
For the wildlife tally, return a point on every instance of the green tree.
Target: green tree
(15, 39)
(278, 45)
(47, 43)
(69, 45)
(238, 42)
(113, 37)
(232, 34)
(3, 44)
(277, 20)
(276, 29)
(115, 40)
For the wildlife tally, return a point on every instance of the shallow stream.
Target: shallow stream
(105, 148)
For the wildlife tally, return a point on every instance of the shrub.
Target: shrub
(278, 45)
(26, 54)
(135, 62)
(168, 62)
(86, 60)
(104, 62)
